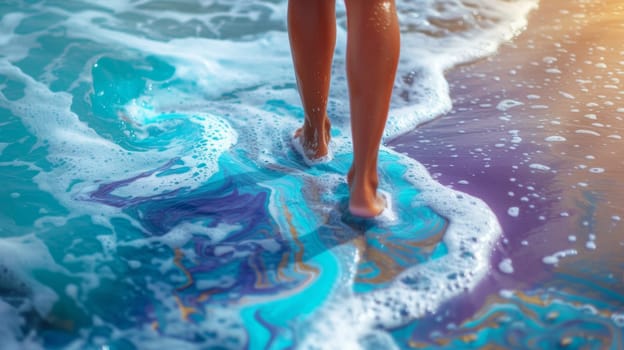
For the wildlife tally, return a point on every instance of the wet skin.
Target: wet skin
(373, 42)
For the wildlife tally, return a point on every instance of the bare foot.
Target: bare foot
(365, 201)
(314, 142)
(366, 206)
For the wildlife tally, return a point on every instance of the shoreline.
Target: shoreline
(539, 87)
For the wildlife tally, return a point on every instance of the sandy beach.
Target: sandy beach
(536, 131)
(153, 199)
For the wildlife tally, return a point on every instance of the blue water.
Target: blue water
(152, 197)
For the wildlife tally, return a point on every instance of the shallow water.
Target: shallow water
(153, 199)
(547, 111)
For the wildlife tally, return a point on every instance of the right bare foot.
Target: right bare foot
(364, 200)
(366, 205)
(314, 142)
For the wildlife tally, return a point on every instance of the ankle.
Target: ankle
(363, 180)
(319, 124)
(313, 138)
(316, 134)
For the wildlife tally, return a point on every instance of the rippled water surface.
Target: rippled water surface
(151, 197)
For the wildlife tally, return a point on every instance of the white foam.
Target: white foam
(596, 170)
(430, 50)
(505, 105)
(79, 153)
(179, 235)
(567, 95)
(8, 24)
(223, 327)
(19, 256)
(506, 293)
(506, 266)
(308, 157)
(11, 335)
(538, 166)
(252, 69)
(555, 138)
(556, 257)
(472, 231)
(587, 132)
(388, 215)
(513, 212)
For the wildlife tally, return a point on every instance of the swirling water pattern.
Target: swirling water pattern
(154, 200)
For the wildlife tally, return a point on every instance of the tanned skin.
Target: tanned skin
(373, 44)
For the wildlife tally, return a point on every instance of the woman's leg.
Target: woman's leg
(312, 32)
(373, 41)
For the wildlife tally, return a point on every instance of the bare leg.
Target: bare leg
(312, 32)
(372, 57)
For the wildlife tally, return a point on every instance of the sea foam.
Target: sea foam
(232, 89)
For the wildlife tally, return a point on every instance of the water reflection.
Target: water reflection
(536, 131)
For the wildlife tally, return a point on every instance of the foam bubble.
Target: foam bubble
(78, 153)
(538, 166)
(587, 132)
(513, 212)
(554, 258)
(19, 256)
(506, 266)
(555, 138)
(566, 95)
(229, 93)
(8, 23)
(472, 231)
(307, 157)
(179, 235)
(10, 332)
(505, 105)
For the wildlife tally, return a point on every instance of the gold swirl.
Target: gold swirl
(393, 258)
(260, 272)
(185, 311)
(177, 260)
(300, 265)
(281, 275)
(485, 318)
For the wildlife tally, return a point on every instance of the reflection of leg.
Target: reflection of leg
(372, 57)
(312, 31)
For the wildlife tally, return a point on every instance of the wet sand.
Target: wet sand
(536, 131)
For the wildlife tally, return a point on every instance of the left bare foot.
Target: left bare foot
(314, 142)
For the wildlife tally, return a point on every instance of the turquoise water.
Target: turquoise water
(152, 198)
